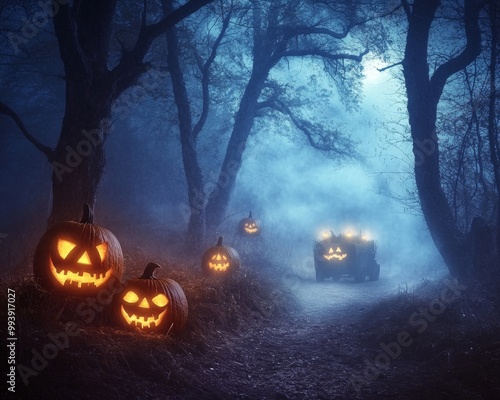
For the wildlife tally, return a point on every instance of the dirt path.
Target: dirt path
(312, 355)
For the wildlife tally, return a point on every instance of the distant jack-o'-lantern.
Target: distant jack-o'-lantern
(335, 254)
(78, 258)
(220, 259)
(151, 304)
(249, 226)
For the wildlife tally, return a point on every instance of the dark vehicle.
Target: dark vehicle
(351, 255)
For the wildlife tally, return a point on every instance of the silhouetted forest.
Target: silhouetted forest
(172, 124)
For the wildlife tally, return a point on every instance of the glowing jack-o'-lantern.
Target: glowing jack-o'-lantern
(78, 258)
(249, 226)
(335, 254)
(220, 259)
(151, 304)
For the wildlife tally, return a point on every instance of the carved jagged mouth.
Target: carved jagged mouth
(339, 257)
(142, 322)
(337, 254)
(218, 267)
(69, 278)
(251, 230)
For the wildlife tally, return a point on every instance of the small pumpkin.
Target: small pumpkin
(151, 304)
(78, 258)
(249, 226)
(220, 259)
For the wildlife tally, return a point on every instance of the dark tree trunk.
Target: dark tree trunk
(196, 197)
(492, 126)
(221, 194)
(270, 44)
(423, 97)
(83, 30)
(79, 157)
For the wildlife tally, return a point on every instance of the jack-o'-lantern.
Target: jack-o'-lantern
(249, 226)
(151, 304)
(220, 259)
(335, 254)
(78, 258)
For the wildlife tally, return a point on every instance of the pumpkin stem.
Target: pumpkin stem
(219, 242)
(333, 234)
(88, 215)
(250, 215)
(149, 271)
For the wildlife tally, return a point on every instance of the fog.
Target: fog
(296, 191)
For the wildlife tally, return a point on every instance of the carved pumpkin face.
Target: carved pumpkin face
(335, 254)
(218, 262)
(78, 258)
(249, 226)
(220, 259)
(151, 304)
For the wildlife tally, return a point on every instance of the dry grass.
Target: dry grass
(456, 355)
(103, 361)
(236, 321)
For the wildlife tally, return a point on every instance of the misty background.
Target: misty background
(296, 191)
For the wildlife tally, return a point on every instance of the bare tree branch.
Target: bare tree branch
(47, 151)
(325, 54)
(469, 53)
(131, 64)
(389, 66)
(406, 7)
(205, 78)
(325, 142)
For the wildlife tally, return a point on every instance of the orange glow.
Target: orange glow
(131, 297)
(219, 266)
(142, 322)
(64, 247)
(103, 250)
(337, 254)
(80, 278)
(160, 300)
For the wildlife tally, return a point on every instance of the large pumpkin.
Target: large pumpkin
(151, 304)
(249, 226)
(220, 259)
(78, 258)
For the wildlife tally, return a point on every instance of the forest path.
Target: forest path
(312, 355)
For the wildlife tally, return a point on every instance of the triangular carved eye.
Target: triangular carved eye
(103, 250)
(64, 247)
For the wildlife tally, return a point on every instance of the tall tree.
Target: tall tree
(282, 30)
(83, 30)
(424, 92)
(188, 131)
(493, 136)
